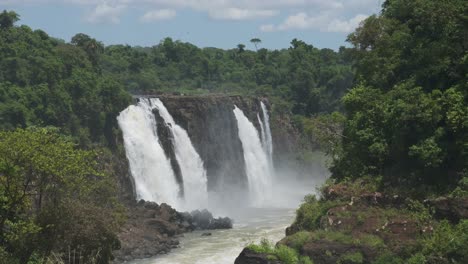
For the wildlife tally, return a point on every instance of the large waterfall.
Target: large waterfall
(256, 160)
(191, 165)
(229, 153)
(151, 170)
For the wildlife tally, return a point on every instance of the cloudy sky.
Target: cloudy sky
(206, 23)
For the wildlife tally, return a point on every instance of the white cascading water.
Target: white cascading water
(267, 139)
(191, 165)
(150, 168)
(256, 161)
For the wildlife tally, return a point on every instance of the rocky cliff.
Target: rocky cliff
(212, 129)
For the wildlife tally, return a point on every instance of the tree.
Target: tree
(90, 45)
(8, 19)
(256, 41)
(48, 189)
(404, 120)
(240, 48)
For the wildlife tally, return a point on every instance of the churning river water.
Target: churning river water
(223, 246)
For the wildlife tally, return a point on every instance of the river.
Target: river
(250, 225)
(223, 246)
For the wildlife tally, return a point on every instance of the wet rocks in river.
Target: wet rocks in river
(248, 256)
(152, 229)
(204, 220)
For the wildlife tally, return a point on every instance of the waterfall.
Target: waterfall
(191, 165)
(256, 160)
(266, 134)
(166, 166)
(149, 166)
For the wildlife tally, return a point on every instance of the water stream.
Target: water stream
(223, 246)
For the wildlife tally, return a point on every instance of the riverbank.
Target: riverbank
(355, 222)
(152, 229)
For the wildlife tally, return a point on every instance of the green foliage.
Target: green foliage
(310, 212)
(462, 188)
(283, 253)
(419, 211)
(47, 82)
(53, 198)
(325, 130)
(370, 240)
(8, 19)
(388, 258)
(308, 79)
(297, 240)
(448, 243)
(406, 120)
(265, 246)
(417, 259)
(355, 257)
(287, 255)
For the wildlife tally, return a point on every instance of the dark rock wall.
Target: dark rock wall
(212, 127)
(166, 138)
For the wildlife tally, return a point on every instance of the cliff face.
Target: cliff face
(212, 128)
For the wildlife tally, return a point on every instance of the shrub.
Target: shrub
(449, 242)
(355, 257)
(287, 255)
(311, 211)
(283, 253)
(298, 239)
(417, 259)
(265, 247)
(388, 259)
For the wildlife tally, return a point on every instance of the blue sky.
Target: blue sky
(205, 23)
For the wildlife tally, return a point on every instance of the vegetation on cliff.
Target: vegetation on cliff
(400, 145)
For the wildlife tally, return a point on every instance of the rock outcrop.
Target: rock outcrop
(353, 224)
(166, 139)
(247, 256)
(153, 229)
(204, 220)
(453, 209)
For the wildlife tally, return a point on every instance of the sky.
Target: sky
(205, 23)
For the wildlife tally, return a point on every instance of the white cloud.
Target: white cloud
(345, 26)
(325, 22)
(341, 15)
(240, 14)
(105, 13)
(155, 15)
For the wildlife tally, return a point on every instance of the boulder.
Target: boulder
(204, 220)
(454, 209)
(248, 256)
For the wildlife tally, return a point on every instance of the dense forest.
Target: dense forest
(391, 111)
(399, 186)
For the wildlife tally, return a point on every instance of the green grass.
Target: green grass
(283, 253)
(355, 258)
